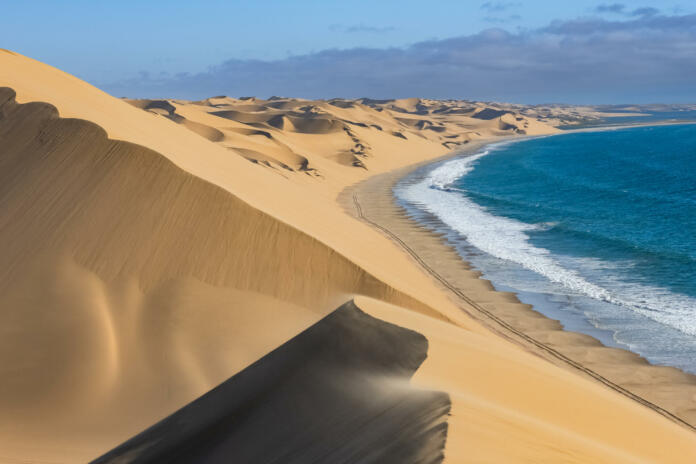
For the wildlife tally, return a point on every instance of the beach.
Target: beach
(667, 390)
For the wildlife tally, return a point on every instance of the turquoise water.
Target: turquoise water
(596, 229)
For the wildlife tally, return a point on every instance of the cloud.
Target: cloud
(610, 8)
(499, 6)
(620, 8)
(495, 12)
(358, 28)
(646, 11)
(503, 19)
(645, 58)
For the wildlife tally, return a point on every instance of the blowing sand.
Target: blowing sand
(338, 392)
(154, 249)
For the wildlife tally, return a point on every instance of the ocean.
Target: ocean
(595, 229)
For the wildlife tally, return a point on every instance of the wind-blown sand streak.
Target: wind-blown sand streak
(338, 392)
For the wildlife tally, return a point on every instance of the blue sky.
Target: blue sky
(165, 48)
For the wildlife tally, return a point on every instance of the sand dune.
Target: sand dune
(345, 380)
(340, 130)
(312, 125)
(513, 407)
(127, 245)
(240, 116)
(168, 110)
(147, 262)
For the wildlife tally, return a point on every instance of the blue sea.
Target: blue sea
(595, 229)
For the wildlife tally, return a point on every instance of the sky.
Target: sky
(532, 51)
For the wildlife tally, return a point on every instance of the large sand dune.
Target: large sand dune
(338, 392)
(126, 245)
(147, 261)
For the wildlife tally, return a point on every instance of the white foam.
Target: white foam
(507, 239)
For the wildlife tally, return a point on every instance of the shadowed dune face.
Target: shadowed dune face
(207, 132)
(130, 286)
(111, 193)
(286, 159)
(168, 110)
(241, 116)
(339, 392)
(489, 113)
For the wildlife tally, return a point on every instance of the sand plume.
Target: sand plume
(337, 392)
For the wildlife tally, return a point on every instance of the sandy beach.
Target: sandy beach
(182, 278)
(667, 390)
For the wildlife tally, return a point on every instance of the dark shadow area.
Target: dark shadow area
(336, 393)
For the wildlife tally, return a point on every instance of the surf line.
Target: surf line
(551, 351)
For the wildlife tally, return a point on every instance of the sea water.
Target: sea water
(595, 229)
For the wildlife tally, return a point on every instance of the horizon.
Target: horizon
(590, 53)
(499, 102)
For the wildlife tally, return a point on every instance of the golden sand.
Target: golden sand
(151, 255)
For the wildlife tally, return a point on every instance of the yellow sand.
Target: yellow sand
(145, 268)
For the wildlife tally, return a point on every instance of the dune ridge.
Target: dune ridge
(313, 386)
(39, 143)
(125, 241)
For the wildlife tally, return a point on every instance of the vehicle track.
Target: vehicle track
(506, 326)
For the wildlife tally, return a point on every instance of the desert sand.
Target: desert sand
(338, 392)
(157, 249)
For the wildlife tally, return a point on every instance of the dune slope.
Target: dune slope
(131, 286)
(337, 392)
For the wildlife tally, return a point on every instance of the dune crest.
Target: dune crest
(128, 245)
(337, 392)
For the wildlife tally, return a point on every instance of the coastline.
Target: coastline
(667, 390)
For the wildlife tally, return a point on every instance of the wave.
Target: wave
(507, 239)
(608, 238)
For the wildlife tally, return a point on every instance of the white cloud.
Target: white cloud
(649, 57)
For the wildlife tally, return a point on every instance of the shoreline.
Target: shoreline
(667, 390)
(608, 127)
